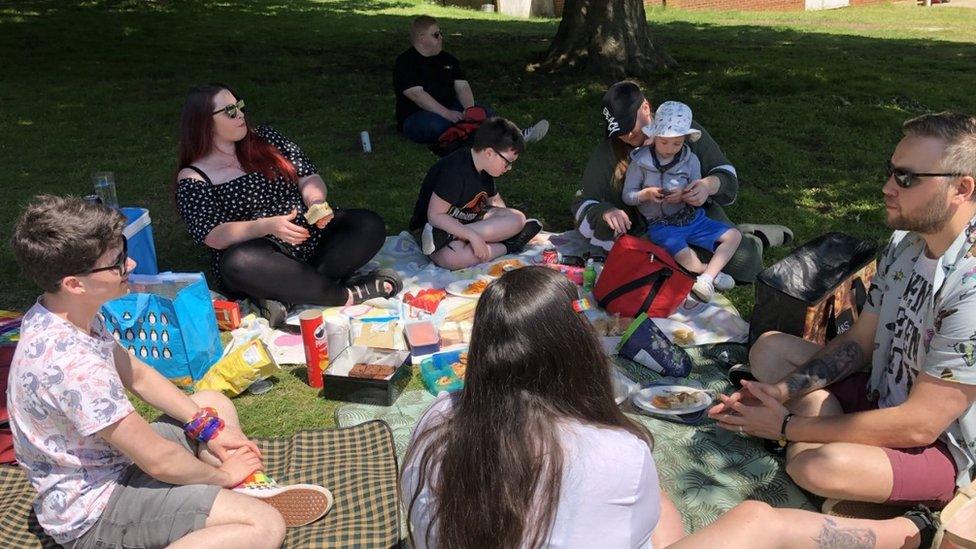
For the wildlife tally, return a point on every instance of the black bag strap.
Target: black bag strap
(201, 173)
(860, 294)
(656, 279)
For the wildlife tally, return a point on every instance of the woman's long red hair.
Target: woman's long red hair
(196, 137)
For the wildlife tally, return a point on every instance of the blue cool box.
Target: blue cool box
(142, 247)
(437, 368)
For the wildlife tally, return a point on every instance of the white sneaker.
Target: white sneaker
(427, 239)
(536, 132)
(723, 282)
(299, 504)
(703, 288)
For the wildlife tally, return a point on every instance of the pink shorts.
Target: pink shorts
(926, 474)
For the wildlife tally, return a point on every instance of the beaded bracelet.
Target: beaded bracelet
(199, 422)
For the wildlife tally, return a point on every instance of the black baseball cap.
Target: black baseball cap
(620, 105)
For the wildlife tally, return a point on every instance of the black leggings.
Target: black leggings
(258, 268)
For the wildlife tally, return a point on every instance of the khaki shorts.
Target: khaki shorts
(144, 512)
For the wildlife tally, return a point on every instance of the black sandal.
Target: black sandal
(372, 285)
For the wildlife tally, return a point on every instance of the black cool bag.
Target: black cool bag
(817, 291)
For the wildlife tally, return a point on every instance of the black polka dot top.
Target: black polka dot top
(251, 196)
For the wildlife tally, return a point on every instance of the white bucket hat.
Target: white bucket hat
(672, 119)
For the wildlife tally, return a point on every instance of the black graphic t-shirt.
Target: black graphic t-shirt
(455, 179)
(906, 357)
(436, 74)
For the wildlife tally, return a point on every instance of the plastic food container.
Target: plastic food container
(439, 373)
(422, 337)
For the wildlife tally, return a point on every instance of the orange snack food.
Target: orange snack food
(476, 287)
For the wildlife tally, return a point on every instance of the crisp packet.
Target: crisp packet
(238, 370)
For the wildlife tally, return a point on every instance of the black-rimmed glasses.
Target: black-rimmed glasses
(233, 109)
(120, 264)
(508, 163)
(905, 178)
(437, 34)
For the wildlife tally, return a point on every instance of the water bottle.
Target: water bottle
(364, 139)
(589, 276)
(104, 184)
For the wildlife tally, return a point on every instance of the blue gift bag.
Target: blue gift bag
(645, 343)
(168, 321)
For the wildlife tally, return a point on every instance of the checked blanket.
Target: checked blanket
(358, 464)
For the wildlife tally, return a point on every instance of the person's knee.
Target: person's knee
(753, 511)
(267, 524)
(733, 237)
(765, 358)
(821, 470)
(213, 399)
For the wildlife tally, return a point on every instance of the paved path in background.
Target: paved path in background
(952, 4)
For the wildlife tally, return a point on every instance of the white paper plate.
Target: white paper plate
(642, 399)
(457, 287)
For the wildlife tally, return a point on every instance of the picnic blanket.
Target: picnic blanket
(713, 322)
(704, 469)
(357, 464)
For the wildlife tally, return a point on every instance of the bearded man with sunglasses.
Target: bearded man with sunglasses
(431, 89)
(904, 430)
(104, 476)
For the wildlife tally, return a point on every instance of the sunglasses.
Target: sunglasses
(233, 109)
(120, 264)
(508, 163)
(905, 179)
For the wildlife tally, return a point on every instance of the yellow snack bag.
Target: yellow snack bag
(237, 371)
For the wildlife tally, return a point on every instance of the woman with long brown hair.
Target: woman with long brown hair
(533, 452)
(243, 192)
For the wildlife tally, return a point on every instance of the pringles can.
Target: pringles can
(316, 345)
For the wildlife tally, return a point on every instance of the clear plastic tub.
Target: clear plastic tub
(422, 337)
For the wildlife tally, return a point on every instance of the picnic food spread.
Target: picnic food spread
(371, 371)
(461, 366)
(675, 400)
(501, 267)
(476, 287)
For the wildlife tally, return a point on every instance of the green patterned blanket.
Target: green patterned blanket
(705, 470)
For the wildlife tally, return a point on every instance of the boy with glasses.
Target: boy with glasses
(459, 218)
(431, 89)
(104, 476)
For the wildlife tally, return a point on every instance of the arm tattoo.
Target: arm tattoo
(834, 537)
(825, 369)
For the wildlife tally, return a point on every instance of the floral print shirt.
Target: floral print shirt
(63, 389)
(927, 323)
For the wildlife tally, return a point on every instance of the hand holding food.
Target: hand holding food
(319, 214)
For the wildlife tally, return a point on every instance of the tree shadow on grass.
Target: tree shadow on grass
(807, 118)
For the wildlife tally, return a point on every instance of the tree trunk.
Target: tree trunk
(608, 38)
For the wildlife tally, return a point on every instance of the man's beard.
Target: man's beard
(932, 219)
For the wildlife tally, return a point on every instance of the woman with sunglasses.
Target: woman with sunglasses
(243, 192)
(535, 453)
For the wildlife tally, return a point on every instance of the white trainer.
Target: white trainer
(299, 504)
(535, 132)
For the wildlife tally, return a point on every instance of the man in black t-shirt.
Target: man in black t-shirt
(459, 218)
(431, 89)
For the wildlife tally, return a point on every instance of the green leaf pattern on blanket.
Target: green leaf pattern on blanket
(705, 470)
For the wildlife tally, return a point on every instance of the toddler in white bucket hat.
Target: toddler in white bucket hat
(657, 183)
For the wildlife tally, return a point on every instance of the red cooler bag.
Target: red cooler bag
(640, 277)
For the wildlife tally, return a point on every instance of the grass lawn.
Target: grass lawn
(807, 106)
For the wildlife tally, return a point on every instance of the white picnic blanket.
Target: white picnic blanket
(713, 322)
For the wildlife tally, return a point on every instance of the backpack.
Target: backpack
(461, 133)
(640, 277)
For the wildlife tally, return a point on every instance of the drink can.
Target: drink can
(364, 138)
(316, 345)
(550, 256)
